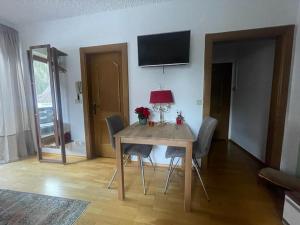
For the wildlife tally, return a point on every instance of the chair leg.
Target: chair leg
(169, 174)
(150, 159)
(196, 165)
(112, 179)
(115, 173)
(126, 160)
(142, 172)
(174, 167)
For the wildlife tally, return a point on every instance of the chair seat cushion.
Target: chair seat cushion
(133, 149)
(180, 151)
(175, 152)
(196, 153)
(126, 147)
(280, 178)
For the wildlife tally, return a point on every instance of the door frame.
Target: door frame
(284, 37)
(84, 52)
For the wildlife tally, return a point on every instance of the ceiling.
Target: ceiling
(28, 11)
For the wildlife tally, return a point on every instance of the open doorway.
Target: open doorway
(242, 104)
(283, 39)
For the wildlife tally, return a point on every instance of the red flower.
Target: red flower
(146, 112)
(143, 112)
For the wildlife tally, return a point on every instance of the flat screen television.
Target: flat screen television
(164, 49)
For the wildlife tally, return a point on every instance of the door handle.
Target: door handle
(95, 108)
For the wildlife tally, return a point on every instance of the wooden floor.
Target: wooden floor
(236, 198)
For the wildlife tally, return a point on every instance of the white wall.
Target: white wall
(291, 142)
(6, 23)
(186, 82)
(250, 102)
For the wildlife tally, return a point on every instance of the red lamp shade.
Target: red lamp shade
(161, 96)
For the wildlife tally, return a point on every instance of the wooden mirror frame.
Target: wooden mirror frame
(52, 61)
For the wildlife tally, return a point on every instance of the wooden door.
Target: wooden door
(220, 98)
(104, 71)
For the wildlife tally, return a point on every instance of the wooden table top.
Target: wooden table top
(168, 131)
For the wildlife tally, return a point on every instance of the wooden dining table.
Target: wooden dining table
(161, 134)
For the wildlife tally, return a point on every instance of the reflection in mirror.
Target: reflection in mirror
(40, 53)
(45, 99)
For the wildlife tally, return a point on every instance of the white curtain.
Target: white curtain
(15, 134)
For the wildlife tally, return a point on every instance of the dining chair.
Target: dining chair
(114, 125)
(201, 148)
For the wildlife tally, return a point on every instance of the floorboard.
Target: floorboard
(231, 182)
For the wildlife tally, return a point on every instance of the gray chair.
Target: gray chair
(115, 124)
(200, 149)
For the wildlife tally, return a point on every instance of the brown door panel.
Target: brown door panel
(105, 79)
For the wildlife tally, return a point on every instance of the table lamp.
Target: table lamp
(161, 101)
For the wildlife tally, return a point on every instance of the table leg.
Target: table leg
(120, 174)
(188, 177)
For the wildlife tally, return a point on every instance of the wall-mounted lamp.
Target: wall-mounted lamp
(161, 101)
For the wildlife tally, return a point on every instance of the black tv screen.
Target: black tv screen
(164, 49)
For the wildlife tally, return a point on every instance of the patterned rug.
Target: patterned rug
(19, 208)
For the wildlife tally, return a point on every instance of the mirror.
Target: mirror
(45, 98)
(47, 108)
(50, 97)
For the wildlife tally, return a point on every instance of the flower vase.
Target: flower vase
(143, 121)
